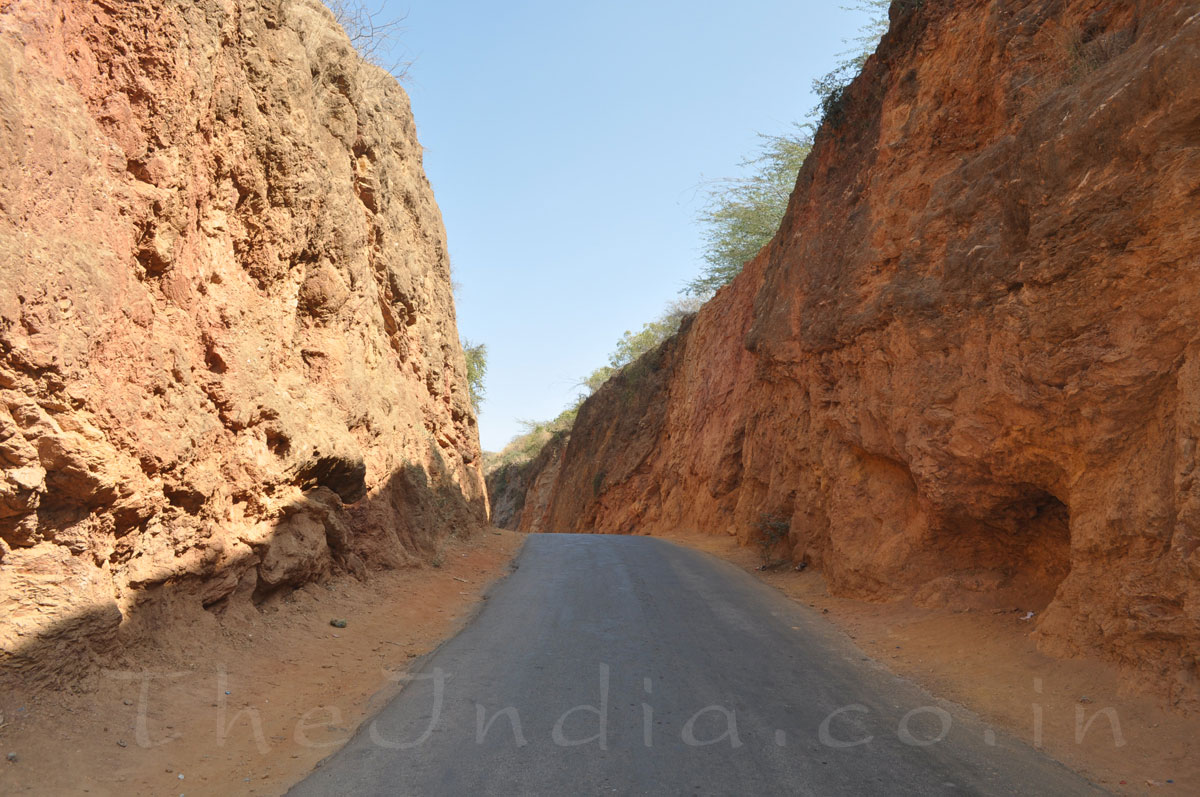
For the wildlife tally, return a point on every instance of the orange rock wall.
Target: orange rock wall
(228, 354)
(967, 369)
(513, 486)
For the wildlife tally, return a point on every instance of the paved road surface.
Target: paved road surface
(656, 650)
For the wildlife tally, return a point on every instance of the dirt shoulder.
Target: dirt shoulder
(988, 663)
(249, 704)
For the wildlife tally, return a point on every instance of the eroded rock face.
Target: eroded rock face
(515, 485)
(228, 352)
(967, 369)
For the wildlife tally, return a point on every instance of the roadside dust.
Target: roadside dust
(275, 691)
(987, 662)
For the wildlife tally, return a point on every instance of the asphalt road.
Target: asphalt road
(634, 666)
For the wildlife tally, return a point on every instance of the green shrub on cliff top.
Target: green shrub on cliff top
(633, 345)
(741, 214)
(476, 354)
(630, 347)
(527, 445)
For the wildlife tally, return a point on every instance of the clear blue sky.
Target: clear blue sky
(567, 142)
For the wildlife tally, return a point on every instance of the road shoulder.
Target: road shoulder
(988, 663)
(276, 691)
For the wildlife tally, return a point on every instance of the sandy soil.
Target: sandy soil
(249, 704)
(987, 662)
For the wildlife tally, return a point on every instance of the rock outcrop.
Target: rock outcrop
(966, 371)
(228, 354)
(514, 485)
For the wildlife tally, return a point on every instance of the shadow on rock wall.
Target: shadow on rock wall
(332, 526)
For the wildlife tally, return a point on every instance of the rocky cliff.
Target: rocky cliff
(513, 486)
(229, 363)
(966, 371)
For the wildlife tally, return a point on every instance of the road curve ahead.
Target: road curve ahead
(628, 665)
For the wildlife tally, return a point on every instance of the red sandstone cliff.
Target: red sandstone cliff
(967, 369)
(228, 354)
